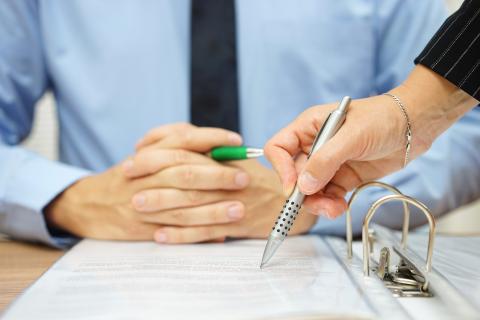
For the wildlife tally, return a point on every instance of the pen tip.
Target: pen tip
(261, 265)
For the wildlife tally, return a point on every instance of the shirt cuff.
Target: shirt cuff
(30, 187)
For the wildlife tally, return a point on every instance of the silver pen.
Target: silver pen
(292, 205)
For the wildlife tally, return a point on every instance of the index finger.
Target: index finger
(197, 139)
(280, 151)
(147, 162)
(294, 139)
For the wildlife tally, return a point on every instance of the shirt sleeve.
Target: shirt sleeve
(444, 178)
(28, 182)
(402, 27)
(453, 52)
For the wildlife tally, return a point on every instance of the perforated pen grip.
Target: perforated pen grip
(288, 214)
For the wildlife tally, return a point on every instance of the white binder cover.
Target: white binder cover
(457, 259)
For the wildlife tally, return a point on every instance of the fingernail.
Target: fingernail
(234, 138)
(160, 237)
(235, 211)
(139, 200)
(241, 179)
(127, 166)
(308, 183)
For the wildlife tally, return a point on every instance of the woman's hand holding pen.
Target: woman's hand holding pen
(339, 165)
(371, 143)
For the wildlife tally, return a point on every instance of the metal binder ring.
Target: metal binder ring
(371, 213)
(348, 215)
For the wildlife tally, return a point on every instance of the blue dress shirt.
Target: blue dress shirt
(118, 68)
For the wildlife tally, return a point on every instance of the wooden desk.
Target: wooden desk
(20, 265)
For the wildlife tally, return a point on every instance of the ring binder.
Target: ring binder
(348, 216)
(431, 222)
(408, 279)
(412, 276)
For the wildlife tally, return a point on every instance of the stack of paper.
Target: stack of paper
(143, 280)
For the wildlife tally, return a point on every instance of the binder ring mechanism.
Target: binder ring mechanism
(408, 278)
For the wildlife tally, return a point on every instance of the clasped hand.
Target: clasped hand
(172, 192)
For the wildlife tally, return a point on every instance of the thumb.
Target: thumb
(323, 164)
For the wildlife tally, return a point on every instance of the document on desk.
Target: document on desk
(144, 280)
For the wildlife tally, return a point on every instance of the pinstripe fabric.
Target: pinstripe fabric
(454, 51)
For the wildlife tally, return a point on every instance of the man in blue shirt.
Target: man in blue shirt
(121, 68)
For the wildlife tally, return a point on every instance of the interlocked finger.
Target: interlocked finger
(210, 214)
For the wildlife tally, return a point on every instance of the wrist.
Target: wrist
(60, 211)
(432, 103)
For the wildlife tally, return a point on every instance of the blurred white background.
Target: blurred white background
(44, 141)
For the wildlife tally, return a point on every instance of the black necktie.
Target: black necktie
(213, 77)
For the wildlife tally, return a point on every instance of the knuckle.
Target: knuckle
(154, 133)
(326, 159)
(158, 199)
(138, 158)
(184, 126)
(207, 234)
(177, 237)
(143, 158)
(224, 175)
(320, 161)
(187, 137)
(218, 214)
(178, 216)
(180, 156)
(188, 175)
(194, 196)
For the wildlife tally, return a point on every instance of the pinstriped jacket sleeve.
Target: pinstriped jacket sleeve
(454, 51)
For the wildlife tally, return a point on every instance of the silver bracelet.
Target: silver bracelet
(408, 131)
